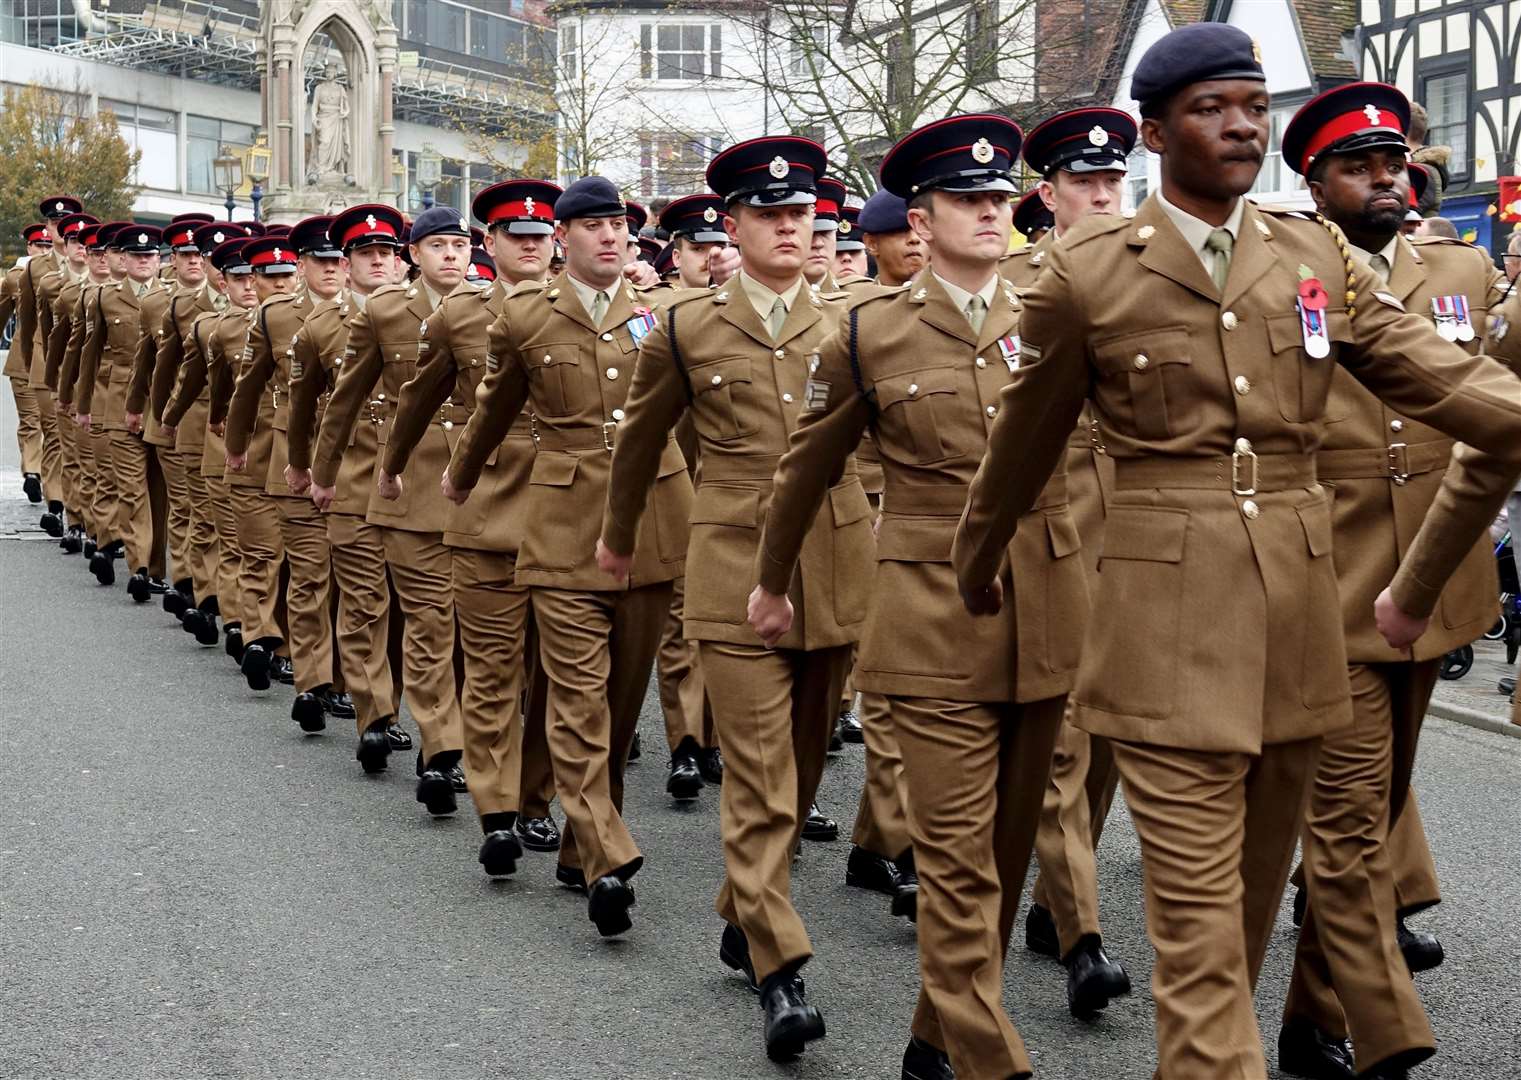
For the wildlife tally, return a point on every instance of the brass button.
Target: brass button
(1228, 320)
(1243, 446)
(780, 354)
(1243, 385)
(982, 362)
(1141, 361)
(448, 425)
(617, 414)
(1251, 510)
(1396, 425)
(787, 398)
(992, 410)
(717, 379)
(913, 389)
(548, 359)
(612, 373)
(607, 337)
(382, 397)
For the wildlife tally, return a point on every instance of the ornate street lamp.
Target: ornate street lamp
(227, 171)
(256, 162)
(430, 170)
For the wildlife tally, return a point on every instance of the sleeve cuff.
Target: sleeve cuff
(1413, 596)
(775, 576)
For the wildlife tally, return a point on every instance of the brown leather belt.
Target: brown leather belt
(948, 500)
(1397, 461)
(721, 467)
(1242, 473)
(581, 438)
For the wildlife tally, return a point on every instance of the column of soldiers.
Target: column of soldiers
(389, 461)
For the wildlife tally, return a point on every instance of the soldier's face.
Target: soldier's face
(241, 290)
(773, 240)
(323, 277)
(820, 254)
(1073, 196)
(965, 226)
(849, 262)
(1212, 137)
(267, 285)
(1364, 193)
(99, 264)
(372, 266)
(691, 260)
(899, 255)
(116, 263)
(520, 256)
(595, 248)
(189, 267)
(442, 260)
(216, 277)
(53, 234)
(74, 251)
(142, 267)
(37, 247)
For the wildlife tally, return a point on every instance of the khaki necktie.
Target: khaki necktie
(599, 308)
(1380, 267)
(976, 312)
(777, 317)
(1220, 242)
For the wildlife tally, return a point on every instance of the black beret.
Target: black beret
(974, 152)
(884, 212)
(1347, 119)
(1198, 52)
(590, 196)
(1081, 140)
(439, 221)
(774, 170)
(309, 237)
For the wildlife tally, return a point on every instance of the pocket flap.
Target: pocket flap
(847, 502)
(1285, 331)
(1063, 533)
(551, 353)
(719, 374)
(671, 461)
(1166, 345)
(898, 388)
(554, 470)
(718, 504)
(916, 539)
(1150, 534)
(1316, 519)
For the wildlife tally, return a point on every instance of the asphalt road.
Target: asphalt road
(191, 888)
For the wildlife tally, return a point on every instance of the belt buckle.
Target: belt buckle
(1399, 463)
(1237, 457)
(608, 429)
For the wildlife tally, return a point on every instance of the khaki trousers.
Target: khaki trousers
(364, 616)
(202, 548)
(135, 467)
(1217, 835)
(81, 456)
(72, 471)
(882, 816)
(262, 550)
(774, 710)
(976, 772)
(682, 700)
(229, 550)
(52, 450)
(105, 508)
(308, 594)
(1082, 786)
(1415, 877)
(422, 572)
(177, 515)
(28, 425)
(537, 786)
(597, 649)
(1349, 975)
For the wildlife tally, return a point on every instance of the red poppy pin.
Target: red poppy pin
(1312, 294)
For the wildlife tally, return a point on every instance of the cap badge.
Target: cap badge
(844, 227)
(218, 237)
(982, 151)
(1256, 51)
(1372, 113)
(277, 254)
(58, 206)
(528, 205)
(142, 237)
(710, 215)
(1098, 136)
(779, 167)
(369, 219)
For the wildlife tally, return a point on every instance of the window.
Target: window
(204, 139)
(982, 41)
(155, 133)
(1446, 100)
(684, 52)
(570, 51)
(1137, 180)
(446, 27)
(480, 43)
(807, 47)
(673, 164)
(451, 189)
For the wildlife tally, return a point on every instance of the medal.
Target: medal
(1465, 320)
(1009, 347)
(1312, 303)
(1445, 314)
(642, 323)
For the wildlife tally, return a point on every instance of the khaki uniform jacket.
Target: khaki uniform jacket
(10, 285)
(1221, 626)
(110, 346)
(66, 315)
(19, 363)
(443, 393)
(318, 360)
(184, 307)
(928, 388)
(190, 434)
(745, 393)
(48, 288)
(68, 367)
(221, 358)
(1383, 470)
(261, 399)
(382, 353)
(547, 358)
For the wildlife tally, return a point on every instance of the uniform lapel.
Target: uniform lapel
(1002, 319)
(936, 309)
(568, 303)
(1251, 257)
(734, 307)
(1164, 250)
(620, 305)
(1408, 272)
(804, 313)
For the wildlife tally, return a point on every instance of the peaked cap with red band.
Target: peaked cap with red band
(368, 223)
(228, 256)
(974, 152)
(179, 234)
(71, 225)
(1031, 215)
(1346, 120)
(36, 233)
(523, 207)
(271, 255)
(213, 235)
(826, 211)
(89, 236)
(309, 237)
(774, 170)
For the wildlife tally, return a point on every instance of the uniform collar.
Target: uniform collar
(762, 298)
(1388, 251)
(588, 295)
(961, 298)
(1196, 230)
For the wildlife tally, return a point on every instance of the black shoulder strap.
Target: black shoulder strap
(869, 396)
(670, 327)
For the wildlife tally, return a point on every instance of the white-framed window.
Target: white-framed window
(1137, 176)
(155, 132)
(680, 52)
(1446, 99)
(570, 51)
(1275, 175)
(807, 47)
(671, 163)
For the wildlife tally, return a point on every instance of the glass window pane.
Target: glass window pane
(203, 127)
(157, 118)
(199, 154)
(237, 134)
(160, 162)
(691, 38)
(122, 110)
(670, 38)
(669, 67)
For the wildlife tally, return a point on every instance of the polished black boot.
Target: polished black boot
(1093, 980)
(88, 548)
(686, 779)
(819, 828)
(1422, 951)
(102, 566)
(255, 665)
(906, 893)
(137, 586)
(180, 599)
(921, 1061)
(306, 711)
(374, 747)
(1305, 1050)
(1040, 933)
(397, 736)
(434, 788)
(538, 834)
(607, 902)
(790, 1022)
(31, 483)
(232, 633)
(850, 728)
(867, 870)
(201, 621)
(281, 670)
(500, 851)
(337, 704)
(52, 521)
(711, 764)
(73, 541)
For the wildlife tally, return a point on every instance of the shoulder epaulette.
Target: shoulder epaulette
(1430, 241)
(686, 296)
(856, 300)
(1093, 226)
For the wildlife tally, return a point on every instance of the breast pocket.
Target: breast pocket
(558, 383)
(1300, 381)
(919, 410)
(722, 404)
(1143, 379)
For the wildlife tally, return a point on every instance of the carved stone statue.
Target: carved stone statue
(330, 128)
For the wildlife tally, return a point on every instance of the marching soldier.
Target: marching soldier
(59, 297)
(737, 358)
(369, 236)
(1033, 219)
(63, 370)
(303, 532)
(898, 249)
(33, 320)
(1080, 156)
(698, 241)
(849, 249)
(976, 704)
(1350, 976)
(818, 270)
(507, 761)
(28, 421)
(1209, 375)
(385, 341)
(564, 352)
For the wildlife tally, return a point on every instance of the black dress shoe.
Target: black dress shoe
(398, 737)
(255, 666)
(500, 852)
(634, 751)
(233, 635)
(850, 728)
(456, 775)
(157, 587)
(906, 895)
(868, 870)
(178, 601)
(1301, 902)
(607, 904)
(790, 1022)
(201, 623)
(685, 780)
(1093, 980)
(836, 740)
(281, 670)
(306, 710)
(101, 566)
(31, 483)
(734, 951)
(1305, 1050)
(1040, 933)
(538, 834)
(337, 704)
(374, 747)
(572, 877)
(1422, 950)
(52, 521)
(711, 764)
(73, 540)
(436, 792)
(819, 828)
(87, 549)
(921, 1061)
(137, 586)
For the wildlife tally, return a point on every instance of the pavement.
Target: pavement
(192, 888)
